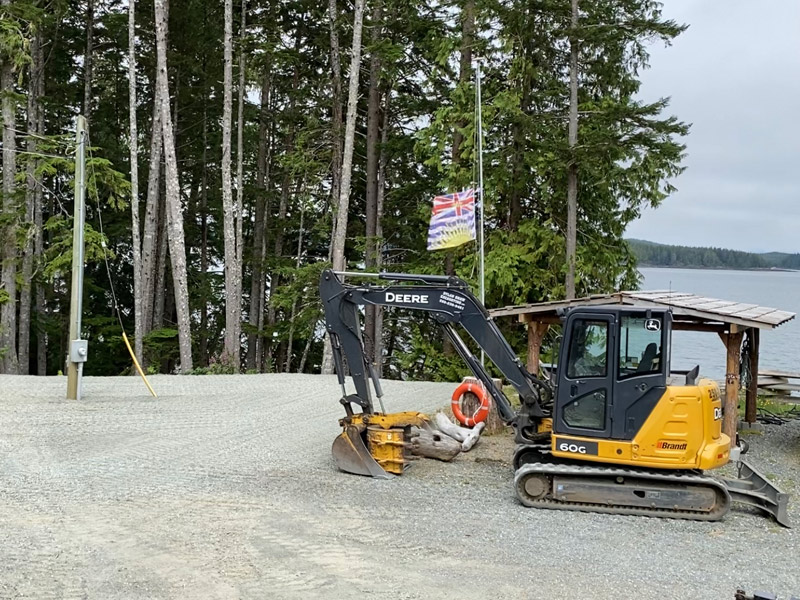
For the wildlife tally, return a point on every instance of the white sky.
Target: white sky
(735, 75)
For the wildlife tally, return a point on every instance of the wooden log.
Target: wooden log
(467, 437)
(433, 444)
(472, 437)
(446, 426)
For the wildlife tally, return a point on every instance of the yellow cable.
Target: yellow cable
(138, 367)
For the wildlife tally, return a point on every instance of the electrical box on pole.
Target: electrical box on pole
(78, 348)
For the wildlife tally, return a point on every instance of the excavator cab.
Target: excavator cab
(615, 403)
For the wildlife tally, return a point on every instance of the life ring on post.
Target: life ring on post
(483, 410)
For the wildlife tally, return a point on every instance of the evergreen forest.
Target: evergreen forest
(650, 254)
(237, 148)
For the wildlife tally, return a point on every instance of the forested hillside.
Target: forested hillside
(664, 255)
(237, 148)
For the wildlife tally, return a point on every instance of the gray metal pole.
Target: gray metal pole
(77, 347)
(480, 179)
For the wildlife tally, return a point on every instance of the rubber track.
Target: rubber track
(612, 472)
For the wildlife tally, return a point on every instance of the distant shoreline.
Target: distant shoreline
(701, 268)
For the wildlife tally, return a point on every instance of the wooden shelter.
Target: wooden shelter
(730, 320)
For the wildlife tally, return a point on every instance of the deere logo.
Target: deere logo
(671, 446)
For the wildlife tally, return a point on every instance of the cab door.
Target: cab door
(642, 369)
(586, 374)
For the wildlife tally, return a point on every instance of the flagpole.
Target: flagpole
(480, 178)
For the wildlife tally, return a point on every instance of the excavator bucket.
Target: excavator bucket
(352, 455)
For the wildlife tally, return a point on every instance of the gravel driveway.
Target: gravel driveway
(224, 487)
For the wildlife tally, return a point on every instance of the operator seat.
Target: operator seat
(646, 364)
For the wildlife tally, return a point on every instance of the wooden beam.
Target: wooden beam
(538, 318)
(733, 342)
(698, 326)
(750, 412)
(536, 333)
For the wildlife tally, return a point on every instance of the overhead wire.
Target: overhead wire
(102, 233)
(108, 268)
(40, 154)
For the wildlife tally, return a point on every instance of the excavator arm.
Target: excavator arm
(452, 304)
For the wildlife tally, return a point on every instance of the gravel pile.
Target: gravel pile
(224, 487)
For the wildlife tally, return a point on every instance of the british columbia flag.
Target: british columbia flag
(452, 220)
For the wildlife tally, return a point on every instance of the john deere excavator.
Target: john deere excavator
(613, 436)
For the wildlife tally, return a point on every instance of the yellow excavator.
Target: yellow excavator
(614, 435)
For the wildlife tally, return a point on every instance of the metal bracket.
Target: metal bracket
(78, 351)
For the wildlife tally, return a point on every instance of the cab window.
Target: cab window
(587, 412)
(587, 353)
(640, 346)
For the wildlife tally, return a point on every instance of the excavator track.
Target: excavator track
(621, 491)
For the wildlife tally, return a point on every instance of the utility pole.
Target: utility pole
(479, 128)
(77, 347)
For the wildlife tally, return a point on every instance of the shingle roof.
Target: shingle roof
(691, 306)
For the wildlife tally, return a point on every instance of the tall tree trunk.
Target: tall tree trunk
(372, 246)
(378, 339)
(177, 246)
(240, 179)
(464, 77)
(87, 62)
(204, 242)
(8, 275)
(464, 73)
(134, 158)
(257, 284)
(572, 173)
(160, 277)
(336, 111)
(336, 154)
(272, 313)
(232, 300)
(309, 341)
(38, 222)
(298, 261)
(151, 221)
(339, 261)
(30, 201)
(340, 231)
(204, 333)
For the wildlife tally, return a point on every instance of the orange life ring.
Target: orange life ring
(483, 410)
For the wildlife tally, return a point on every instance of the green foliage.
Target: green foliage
(161, 345)
(663, 255)
(628, 155)
(214, 367)
(58, 258)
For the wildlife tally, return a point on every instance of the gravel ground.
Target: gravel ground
(224, 488)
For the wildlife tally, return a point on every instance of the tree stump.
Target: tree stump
(433, 444)
(470, 404)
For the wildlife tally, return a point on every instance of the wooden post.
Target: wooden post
(733, 342)
(752, 390)
(536, 333)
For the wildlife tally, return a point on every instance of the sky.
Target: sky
(735, 76)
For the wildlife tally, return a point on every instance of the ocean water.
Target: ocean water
(780, 347)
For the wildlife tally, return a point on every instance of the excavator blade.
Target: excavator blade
(352, 455)
(753, 488)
